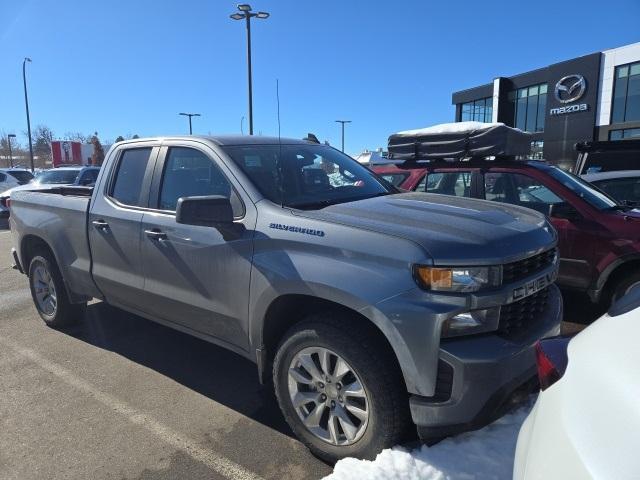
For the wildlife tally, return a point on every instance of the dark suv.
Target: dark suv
(599, 239)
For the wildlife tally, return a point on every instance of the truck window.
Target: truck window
(519, 189)
(622, 189)
(457, 184)
(129, 176)
(190, 173)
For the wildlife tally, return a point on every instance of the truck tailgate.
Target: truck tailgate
(61, 221)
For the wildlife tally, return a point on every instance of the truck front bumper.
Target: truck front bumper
(483, 374)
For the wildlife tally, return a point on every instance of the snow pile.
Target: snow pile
(457, 127)
(485, 454)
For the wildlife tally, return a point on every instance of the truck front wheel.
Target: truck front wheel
(49, 293)
(338, 388)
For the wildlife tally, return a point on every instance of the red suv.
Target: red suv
(599, 240)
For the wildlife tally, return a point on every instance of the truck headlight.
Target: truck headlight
(457, 279)
(475, 321)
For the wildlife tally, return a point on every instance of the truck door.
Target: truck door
(195, 277)
(114, 224)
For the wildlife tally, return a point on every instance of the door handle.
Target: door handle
(100, 224)
(155, 234)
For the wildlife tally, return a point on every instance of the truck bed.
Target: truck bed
(59, 216)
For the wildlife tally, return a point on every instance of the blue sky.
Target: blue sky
(125, 67)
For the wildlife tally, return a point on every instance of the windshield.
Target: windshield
(306, 176)
(57, 177)
(584, 190)
(22, 176)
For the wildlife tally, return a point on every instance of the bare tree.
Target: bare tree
(77, 137)
(42, 137)
(98, 152)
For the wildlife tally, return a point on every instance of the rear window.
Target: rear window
(395, 179)
(127, 184)
(22, 176)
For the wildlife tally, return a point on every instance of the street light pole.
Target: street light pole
(190, 115)
(343, 122)
(26, 104)
(9, 137)
(247, 14)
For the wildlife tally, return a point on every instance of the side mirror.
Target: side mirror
(564, 210)
(207, 211)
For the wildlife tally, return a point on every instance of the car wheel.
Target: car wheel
(340, 389)
(49, 293)
(624, 286)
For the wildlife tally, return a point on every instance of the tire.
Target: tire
(370, 362)
(623, 286)
(49, 293)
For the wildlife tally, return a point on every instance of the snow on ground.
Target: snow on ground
(483, 454)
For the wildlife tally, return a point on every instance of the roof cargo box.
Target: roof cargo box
(459, 140)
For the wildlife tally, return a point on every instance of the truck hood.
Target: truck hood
(453, 230)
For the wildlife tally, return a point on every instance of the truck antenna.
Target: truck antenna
(278, 164)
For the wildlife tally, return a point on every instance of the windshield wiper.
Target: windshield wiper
(319, 204)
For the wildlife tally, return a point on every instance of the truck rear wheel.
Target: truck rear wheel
(338, 388)
(623, 286)
(49, 293)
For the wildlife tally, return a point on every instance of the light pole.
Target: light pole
(9, 137)
(247, 14)
(343, 122)
(190, 115)
(26, 104)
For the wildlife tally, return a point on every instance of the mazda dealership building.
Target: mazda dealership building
(595, 97)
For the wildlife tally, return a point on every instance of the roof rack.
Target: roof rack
(458, 141)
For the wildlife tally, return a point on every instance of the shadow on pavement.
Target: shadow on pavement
(579, 309)
(213, 371)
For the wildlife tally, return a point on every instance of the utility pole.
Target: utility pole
(26, 104)
(190, 115)
(343, 122)
(247, 14)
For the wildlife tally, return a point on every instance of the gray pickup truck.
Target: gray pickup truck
(365, 307)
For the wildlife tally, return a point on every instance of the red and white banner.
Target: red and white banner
(66, 153)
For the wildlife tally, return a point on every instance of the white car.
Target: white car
(623, 185)
(12, 177)
(585, 423)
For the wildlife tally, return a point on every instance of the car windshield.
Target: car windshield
(306, 176)
(584, 190)
(22, 176)
(59, 177)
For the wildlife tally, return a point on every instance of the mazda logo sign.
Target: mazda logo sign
(570, 88)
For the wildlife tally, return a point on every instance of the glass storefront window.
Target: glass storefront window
(626, 94)
(530, 107)
(480, 110)
(624, 133)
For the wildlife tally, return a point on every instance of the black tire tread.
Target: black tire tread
(365, 348)
(67, 313)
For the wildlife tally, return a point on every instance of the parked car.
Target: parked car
(607, 156)
(12, 177)
(363, 306)
(599, 239)
(586, 422)
(79, 175)
(623, 185)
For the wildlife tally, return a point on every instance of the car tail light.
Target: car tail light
(551, 358)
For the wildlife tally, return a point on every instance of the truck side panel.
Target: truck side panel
(61, 222)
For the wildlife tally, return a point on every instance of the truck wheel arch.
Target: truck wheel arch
(612, 274)
(290, 309)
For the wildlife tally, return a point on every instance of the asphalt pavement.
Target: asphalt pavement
(120, 397)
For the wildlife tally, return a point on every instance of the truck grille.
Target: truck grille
(517, 316)
(512, 272)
